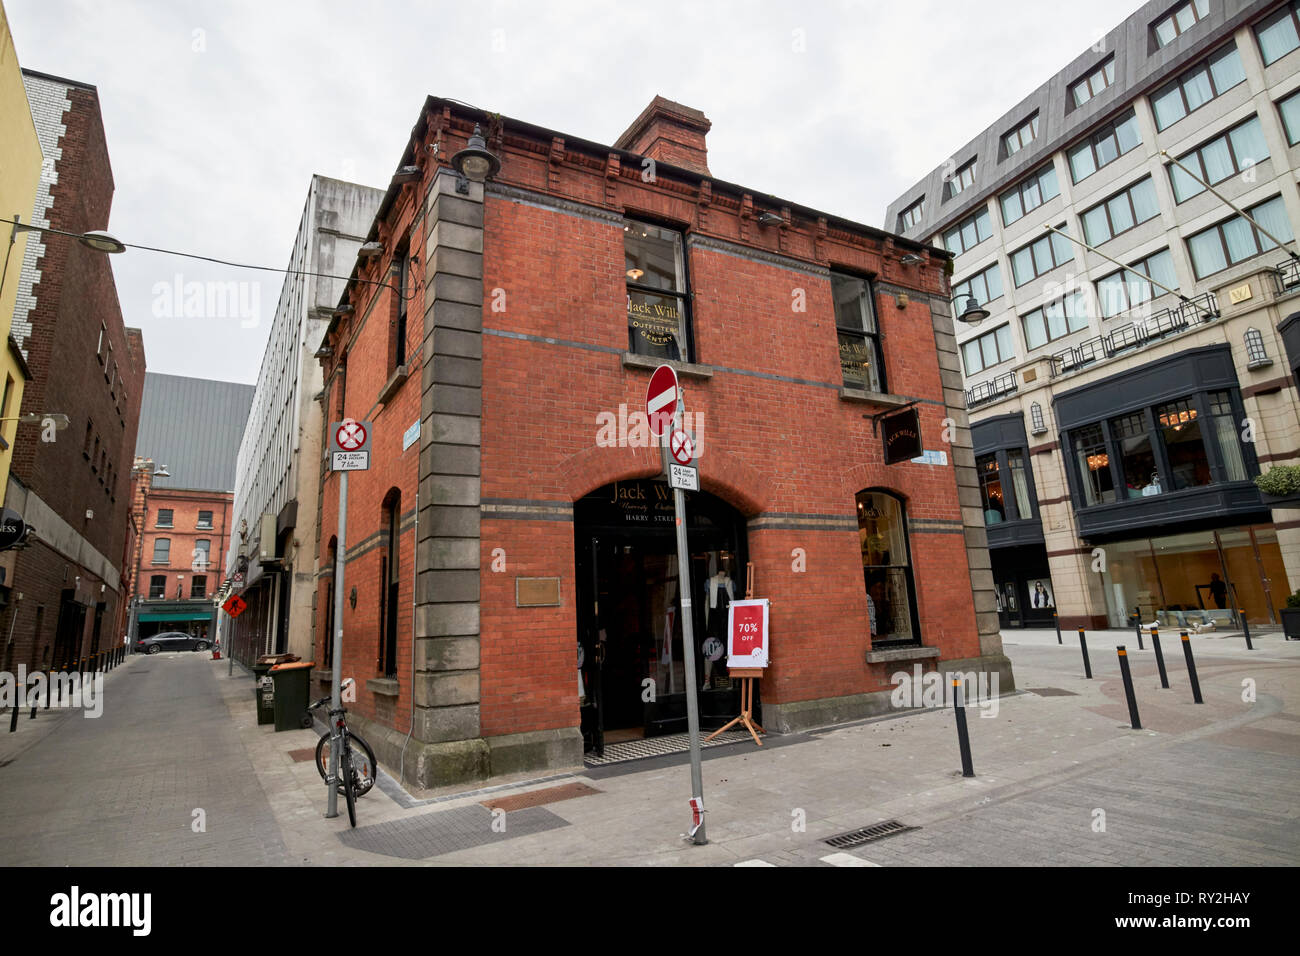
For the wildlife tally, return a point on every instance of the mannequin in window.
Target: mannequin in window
(719, 593)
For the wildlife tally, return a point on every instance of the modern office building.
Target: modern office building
(1123, 399)
(511, 587)
(182, 493)
(270, 560)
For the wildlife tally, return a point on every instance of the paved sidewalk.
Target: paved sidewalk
(121, 789)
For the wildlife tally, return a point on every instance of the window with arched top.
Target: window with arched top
(887, 569)
(1256, 353)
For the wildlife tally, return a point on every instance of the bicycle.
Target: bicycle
(357, 768)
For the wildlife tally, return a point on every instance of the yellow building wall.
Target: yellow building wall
(20, 176)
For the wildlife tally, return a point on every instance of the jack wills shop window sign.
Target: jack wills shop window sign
(644, 503)
(902, 436)
(12, 529)
(655, 321)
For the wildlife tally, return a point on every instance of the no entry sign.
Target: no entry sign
(661, 399)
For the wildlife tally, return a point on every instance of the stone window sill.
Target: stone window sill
(901, 654)
(394, 384)
(649, 362)
(873, 398)
(384, 686)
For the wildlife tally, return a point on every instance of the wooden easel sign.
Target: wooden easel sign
(747, 655)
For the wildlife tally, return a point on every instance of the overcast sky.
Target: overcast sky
(217, 114)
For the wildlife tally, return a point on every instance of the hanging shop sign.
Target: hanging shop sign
(901, 434)
(747, 634)
(12, 529)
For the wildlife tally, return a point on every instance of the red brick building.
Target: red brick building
(72, 487)
(513, 518)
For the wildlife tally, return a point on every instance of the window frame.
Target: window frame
(1292, 139)
(199, 523)
(1180, 82)
(1041, 313)
(908, 568)
(683, 295)
(1017, 133)
(166, 552)
(199, 583)
(960, 181)
(978, 341)
(158, 582)
(1196, 154)
(1050, 238)
(1277, 16)
(1171, 16)
(1127, 193)
(871, 338)
(1142, 266)
(911, 216)
(972, 219)
(1223, 242)
(1108, 130)
(171, 517)
(1106, 68)
(959, 295)
(1036, 179)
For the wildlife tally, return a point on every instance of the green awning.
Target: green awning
(176, 616)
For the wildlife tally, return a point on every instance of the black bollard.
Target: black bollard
(1056, 619)
(1083, 645)
(1128, 688)
(963, 737)
(31, 695)
(1137, 621)
(13, 718)
(1191, 669)
(1160, 658)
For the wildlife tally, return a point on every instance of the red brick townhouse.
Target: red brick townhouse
(499, 332)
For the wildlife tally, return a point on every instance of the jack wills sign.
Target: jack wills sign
(902, 436)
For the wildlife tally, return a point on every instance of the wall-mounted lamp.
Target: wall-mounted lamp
(345, 309)
(369, 250)
(768, 218)
(324, 352)
(475, 162)
(912, 259)
(407, 174)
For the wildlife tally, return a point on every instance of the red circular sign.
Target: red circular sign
(350, 436)
(683, 451)
(661, 399)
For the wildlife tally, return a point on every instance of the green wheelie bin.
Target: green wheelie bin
(292, 682)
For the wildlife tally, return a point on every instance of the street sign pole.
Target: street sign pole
(688, 652)
(336, 700)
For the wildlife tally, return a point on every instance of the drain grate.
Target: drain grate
(303, 755)
(1051, 692)
(869, 834)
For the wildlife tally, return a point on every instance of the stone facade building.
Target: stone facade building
(510, 581)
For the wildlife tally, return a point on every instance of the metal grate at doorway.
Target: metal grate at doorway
(1051, 692)
(877, 831)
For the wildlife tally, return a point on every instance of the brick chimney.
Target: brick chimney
(669, 132)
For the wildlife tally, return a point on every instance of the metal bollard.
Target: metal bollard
(1191, 669)
(13, 718)
(1056, 619)
(1128, 687)
(1137, 621)
(963, 736)
(1160, 658)
(32, 696)
(1083, 645)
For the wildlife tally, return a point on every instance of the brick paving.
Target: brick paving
(1209, 784)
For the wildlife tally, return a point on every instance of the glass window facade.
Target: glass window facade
(1029, 194)
(1092, 84)
(1179, 20)
(1289, 108)
(968, 233)
(1040, 256)
(1121, 212)
(991, 348)
(984, 287)
(1226, 155)
(1279, 33)
(1121, 291)
(1055, 320)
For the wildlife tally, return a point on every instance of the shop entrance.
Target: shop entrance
(632, 676)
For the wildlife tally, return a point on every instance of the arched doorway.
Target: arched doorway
(632, 673)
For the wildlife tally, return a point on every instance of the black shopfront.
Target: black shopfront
(629, 625)
(1012, 522)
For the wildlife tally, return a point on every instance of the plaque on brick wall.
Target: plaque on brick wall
(537, 592)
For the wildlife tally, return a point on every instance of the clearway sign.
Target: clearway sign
(349, 445)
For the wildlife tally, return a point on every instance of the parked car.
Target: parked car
(171, 641)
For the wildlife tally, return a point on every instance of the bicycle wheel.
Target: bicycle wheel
(364, 766)
(349, 786)
(323, 756)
